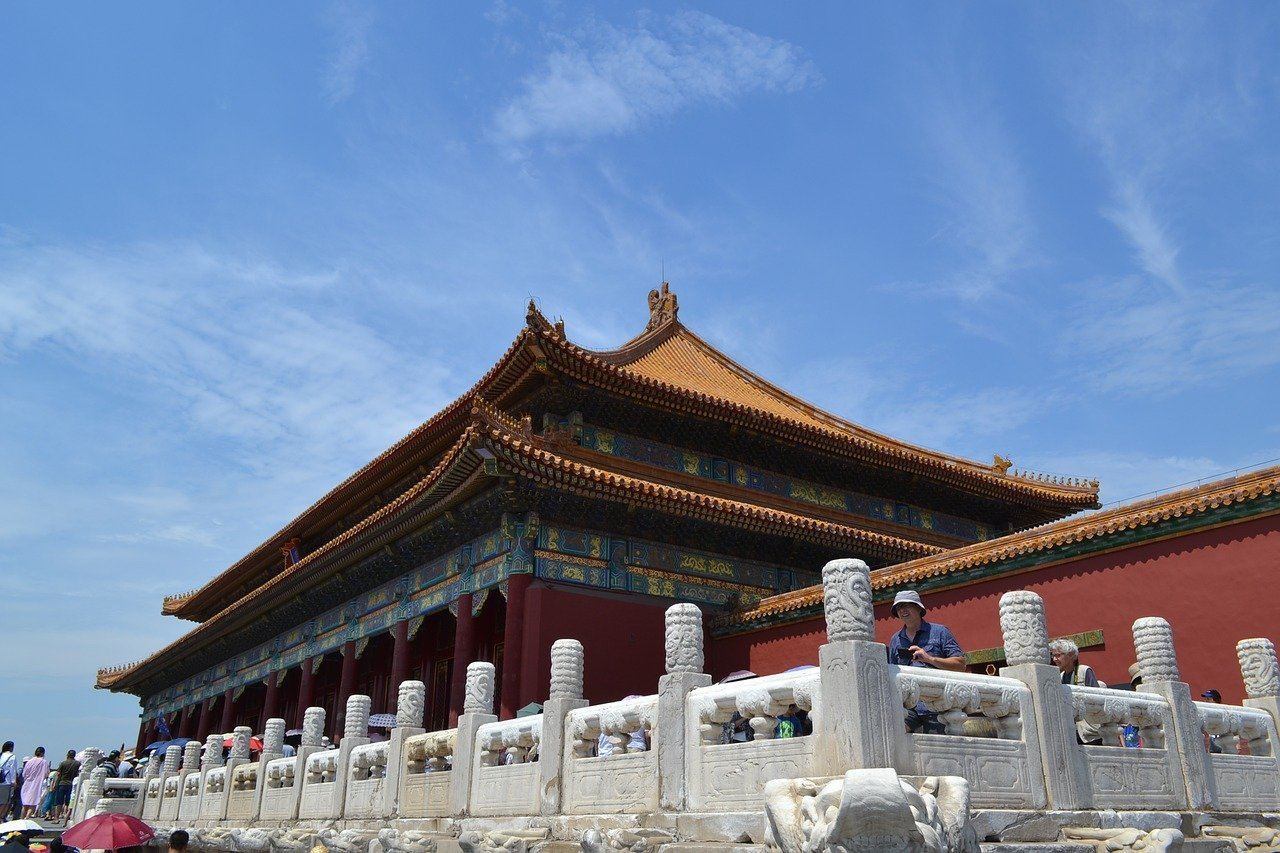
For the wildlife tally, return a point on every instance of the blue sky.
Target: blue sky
(244, 248)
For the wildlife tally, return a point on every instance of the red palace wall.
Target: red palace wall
(1214, 586)
(622, 638)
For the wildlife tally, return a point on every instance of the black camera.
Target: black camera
(904, 656)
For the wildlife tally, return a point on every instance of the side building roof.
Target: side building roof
(1241, 496)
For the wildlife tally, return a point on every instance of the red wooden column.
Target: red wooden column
(306, 690)
(185, 721)
(271, 703)
(346, 687)
(142, 737)
(464, 651)
(202, 728)
(228, 713)
(512, 642)
(399, 661)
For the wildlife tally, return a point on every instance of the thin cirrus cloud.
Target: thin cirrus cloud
(348, 23)
(608, 80)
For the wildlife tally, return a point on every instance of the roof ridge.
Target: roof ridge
(868, 438)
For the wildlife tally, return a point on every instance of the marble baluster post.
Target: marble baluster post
(685, 666)
(355, 732)
(477, 709)
(1158, 663)
(411, 707)
(567, 659)
(860, 722)
(1261, 675)
(1026, 650)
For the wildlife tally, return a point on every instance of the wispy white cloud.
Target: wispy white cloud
(604, 80)
(1134, 335)
(248, 350)
(980, 188)
(348, 23)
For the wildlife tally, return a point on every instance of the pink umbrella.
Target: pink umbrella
(108, 831)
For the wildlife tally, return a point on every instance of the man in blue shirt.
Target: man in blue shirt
(924, 644)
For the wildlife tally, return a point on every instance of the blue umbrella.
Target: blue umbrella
(162, 745)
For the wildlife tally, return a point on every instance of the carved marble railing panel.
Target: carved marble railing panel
(991, 738)
(625, 782)
(366, 781)
(731, 776)
(244, 797)
(505, 770)
(426, 774)
(283, 789)
(151, 804)
(319, 786)
(1243, 782)
(1123, 778)
(121, 796)
(213, 799)
(189, 805)
(170, 796)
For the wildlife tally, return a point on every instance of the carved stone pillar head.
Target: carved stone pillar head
(566, 669)
(212, 752)
(1258, 667)
(191, 756)
(273, 737)
(153, 767)
(93, 788)
(240, 742)
(684, 639)
(1153, 641)
(479, 695)
(846, 601)
(356, 723)
(92, 755)
(313, 727)
(411, 704)
(172, 758)
(1022, 621)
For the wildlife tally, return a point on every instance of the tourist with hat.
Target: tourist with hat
(924, 644)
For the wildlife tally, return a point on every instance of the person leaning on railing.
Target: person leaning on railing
(924, 644)
(1065, 655)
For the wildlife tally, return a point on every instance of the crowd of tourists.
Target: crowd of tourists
(34, 788)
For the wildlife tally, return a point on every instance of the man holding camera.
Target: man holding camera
(926, 644)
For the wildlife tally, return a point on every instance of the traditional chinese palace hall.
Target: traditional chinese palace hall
(569, 493)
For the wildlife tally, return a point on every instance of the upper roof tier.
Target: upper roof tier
(667, 367)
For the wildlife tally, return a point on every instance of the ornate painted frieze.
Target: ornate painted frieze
(727, 471)
(595, 559)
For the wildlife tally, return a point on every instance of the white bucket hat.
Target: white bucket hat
(907, 596)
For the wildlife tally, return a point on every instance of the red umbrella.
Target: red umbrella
(108, 831)
(255, 743)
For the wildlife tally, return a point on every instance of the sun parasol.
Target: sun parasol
(255, 743)
(23, 825)
(738, 675)
(109, 831)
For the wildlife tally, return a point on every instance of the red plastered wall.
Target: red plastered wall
(622, 639)
(1214, 586)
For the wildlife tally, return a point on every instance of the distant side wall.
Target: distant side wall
(1214, 586)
